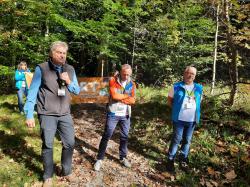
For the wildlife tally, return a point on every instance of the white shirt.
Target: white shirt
(188, 108)
(122, 109)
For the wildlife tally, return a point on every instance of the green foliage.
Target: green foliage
(7, 79)
(159, 38)
(215, 109)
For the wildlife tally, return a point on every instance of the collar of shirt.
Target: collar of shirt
(58, 68)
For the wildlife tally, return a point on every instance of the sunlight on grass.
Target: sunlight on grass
(152, 109)
(20, 147)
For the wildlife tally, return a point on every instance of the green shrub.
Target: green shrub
(7, 81)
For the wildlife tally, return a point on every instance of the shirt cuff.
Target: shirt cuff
(29, 114)
(71, 86)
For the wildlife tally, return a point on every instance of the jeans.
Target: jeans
(182, 132)
(64, 126)
(20, 93)
(112, 121)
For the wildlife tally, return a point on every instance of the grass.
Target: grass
(216, 148)
(20, 148)
(231, 130)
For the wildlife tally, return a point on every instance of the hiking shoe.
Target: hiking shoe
(125, 162)
(170, 166)
(48, 182)
(98, 165)
(183, 163)
(183, 166)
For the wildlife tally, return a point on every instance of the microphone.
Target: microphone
(61, 82)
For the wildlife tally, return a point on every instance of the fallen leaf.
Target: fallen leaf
(234, 150)
(202, 181)
(230, 175)
(245, 158)
(208, 184)
(172, 178)
(108, 179)
(220, 143)
(214, 183)
(210, 171)
(166, 174)
(219, 149)
(193, 151)
(86, 164)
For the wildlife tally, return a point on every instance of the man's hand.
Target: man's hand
(65, 76)
(170, 101)
(30, 123)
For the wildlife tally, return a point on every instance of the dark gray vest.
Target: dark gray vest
(48, 102)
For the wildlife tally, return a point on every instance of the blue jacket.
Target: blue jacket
(179, 95)
(20, 77)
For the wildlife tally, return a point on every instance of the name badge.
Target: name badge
(61, 92)
(121, 107)
(188, 105)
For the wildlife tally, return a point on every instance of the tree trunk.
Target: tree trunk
(233, 54)
(215, 49)
(133, 52)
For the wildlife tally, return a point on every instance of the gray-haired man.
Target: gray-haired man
(50, 89)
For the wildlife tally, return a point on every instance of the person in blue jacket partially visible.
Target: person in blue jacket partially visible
(21, 85)
(185, 100)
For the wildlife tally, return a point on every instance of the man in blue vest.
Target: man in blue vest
(185, 99)
(52, 83)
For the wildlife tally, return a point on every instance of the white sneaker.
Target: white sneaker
(125, 162)
(98, 165)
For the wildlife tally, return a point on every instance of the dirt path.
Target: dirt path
(89, 124)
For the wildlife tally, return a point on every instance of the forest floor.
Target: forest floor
(89, 125)
(219, 153)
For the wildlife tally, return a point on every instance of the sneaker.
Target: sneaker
(72, 178)
(98, 165)
(125, 162)
(170, 166)
(48, 182)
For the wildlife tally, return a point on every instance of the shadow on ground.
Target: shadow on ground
(145, 111)
(17, 148)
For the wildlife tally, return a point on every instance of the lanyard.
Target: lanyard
(189, 93)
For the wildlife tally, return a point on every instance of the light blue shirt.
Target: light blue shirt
(73, 87)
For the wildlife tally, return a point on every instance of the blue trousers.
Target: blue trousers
(64, 126)
(182, 133)
(112, 121)
(22, 91)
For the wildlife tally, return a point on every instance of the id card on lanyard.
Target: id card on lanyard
(190, 99)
